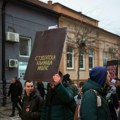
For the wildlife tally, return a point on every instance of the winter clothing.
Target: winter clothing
(98, 74)
(118, 92)
(112, 110)
(66, 80)
(89, 109)
(15, 91)
(57, 105)
(40, 87)
(31, 106)
(119, 114)
(113, 103)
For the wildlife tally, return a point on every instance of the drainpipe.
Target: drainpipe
(3, 53)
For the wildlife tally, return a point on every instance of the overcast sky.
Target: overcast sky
(105, 11)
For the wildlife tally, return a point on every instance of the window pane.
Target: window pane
(69, 60)
(104, 58)
(91, 59)
(25, 46)
(69, 57)
(90, 62)
(81, 62)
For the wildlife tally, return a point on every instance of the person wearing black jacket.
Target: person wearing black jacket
(40, 88)
(32, 102)
(15, 91)
(59, 101)
(112, 100)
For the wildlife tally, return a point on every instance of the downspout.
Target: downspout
(3, 53)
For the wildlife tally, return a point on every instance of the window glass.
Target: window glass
(82, 61)
(70, 57)
(25, 46)
(21, 71)
(91, 59)
(104, 58)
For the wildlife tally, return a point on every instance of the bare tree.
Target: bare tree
(83, 40)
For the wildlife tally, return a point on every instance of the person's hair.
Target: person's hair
(81, 84)
(28, 81)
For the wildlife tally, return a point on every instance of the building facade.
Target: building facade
(19, 21)
(101, 46)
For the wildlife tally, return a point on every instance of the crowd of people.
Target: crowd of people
(94, 99)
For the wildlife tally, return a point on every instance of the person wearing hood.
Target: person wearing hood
(32, 102)
(93, 104)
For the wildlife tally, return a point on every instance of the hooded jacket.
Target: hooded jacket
(89, 109)
(31, 106)
(57, 105)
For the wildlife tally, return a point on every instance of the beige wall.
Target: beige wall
(103, 41)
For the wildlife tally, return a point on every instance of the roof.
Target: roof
(38, 5)
(76, 11)
(71, 17)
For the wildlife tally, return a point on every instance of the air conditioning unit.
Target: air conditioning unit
(12, 37)
(12, 63)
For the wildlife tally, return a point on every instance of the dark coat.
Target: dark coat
(89, 109)
(113, 105)
(57, 105)
(119, 114)
(40, 87)
(31, 106)
(15, 91)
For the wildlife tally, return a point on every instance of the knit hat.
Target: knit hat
(98, 74)
(66, 76)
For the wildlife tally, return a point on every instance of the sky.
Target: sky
(105, 11)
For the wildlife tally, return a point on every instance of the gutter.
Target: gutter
(39, 5)
(3, 53)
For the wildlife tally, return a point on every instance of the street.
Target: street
(6, 111)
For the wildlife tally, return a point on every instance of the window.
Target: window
(91, 59)
(25, 46)
(104, 58)
(82, 61)
(21, 71)
(70, 57)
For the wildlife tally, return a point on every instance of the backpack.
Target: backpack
(72, 105)
(77, 110)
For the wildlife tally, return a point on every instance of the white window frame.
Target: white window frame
(83, 61)
(29, 46)
(104, 58)
(72, 54)
(91, 56)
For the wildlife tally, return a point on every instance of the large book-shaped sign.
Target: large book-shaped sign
(46, 54)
